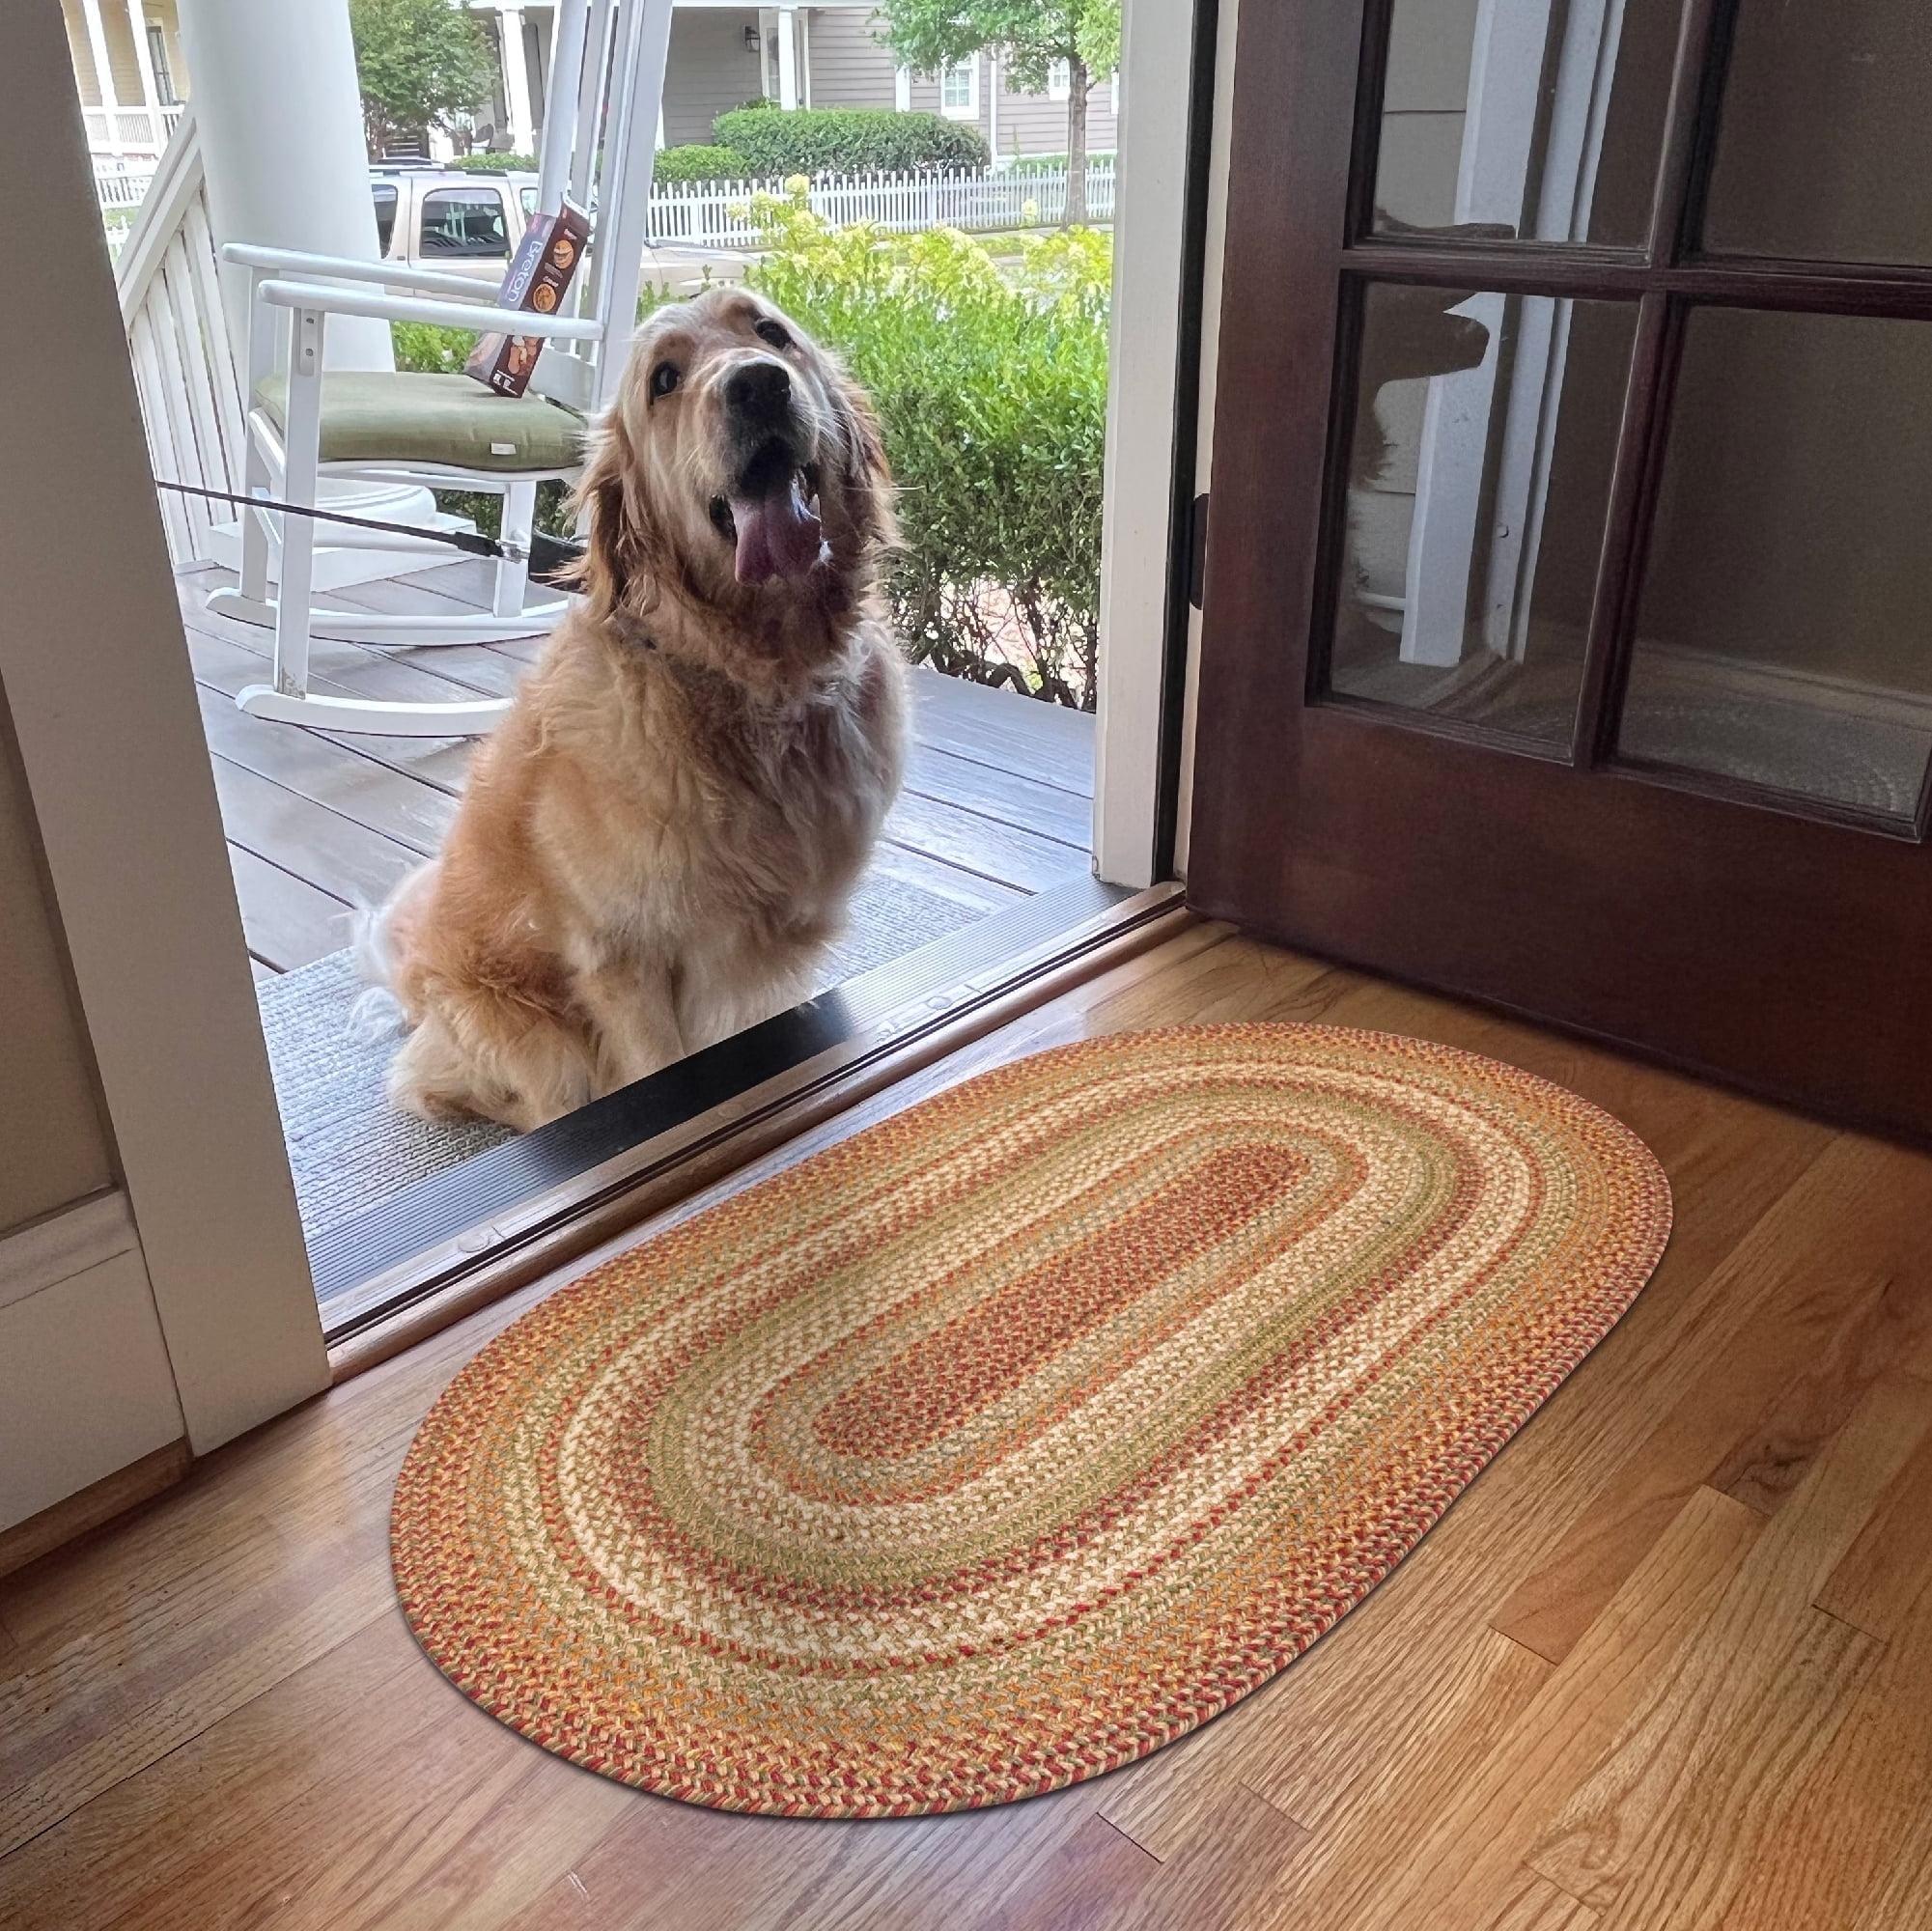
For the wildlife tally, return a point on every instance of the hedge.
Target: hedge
(847, 140)
(990, 386)
(1048, 164)
(700, 162)
(496, 164)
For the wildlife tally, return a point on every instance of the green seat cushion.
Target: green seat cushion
(374, 416)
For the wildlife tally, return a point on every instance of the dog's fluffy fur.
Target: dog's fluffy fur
(660, 838)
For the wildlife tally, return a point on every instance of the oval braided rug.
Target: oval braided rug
(1013, 1438)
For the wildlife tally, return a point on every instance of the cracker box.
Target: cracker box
(539, 278)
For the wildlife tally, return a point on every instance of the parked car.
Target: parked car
(469, 224)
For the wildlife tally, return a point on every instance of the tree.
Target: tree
(420, 63)
(1029, 36)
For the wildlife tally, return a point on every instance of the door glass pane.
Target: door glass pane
(1535, 119)
(1479, 477)
(1825, 142)
(1785, 631)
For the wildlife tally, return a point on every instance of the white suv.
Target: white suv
(470, 224)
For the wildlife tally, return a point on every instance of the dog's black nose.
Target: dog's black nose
(758, 389)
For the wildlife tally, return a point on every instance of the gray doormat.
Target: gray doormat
(349, 1148)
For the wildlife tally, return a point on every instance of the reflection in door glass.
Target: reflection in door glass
(1479, 477)
(1532, 118)
(1783, 634)
(1825, 143)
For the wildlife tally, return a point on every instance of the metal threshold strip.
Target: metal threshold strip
(522, 1199)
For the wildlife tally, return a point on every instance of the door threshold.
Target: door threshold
(481, 1230)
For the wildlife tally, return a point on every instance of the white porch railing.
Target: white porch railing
(132, 128)
(717, 213)
(185, 372)
(120, 186)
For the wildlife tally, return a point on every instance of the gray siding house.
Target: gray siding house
(824, 55)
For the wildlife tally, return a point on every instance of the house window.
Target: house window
(157, 59)
(959, 90)
(1059, 79)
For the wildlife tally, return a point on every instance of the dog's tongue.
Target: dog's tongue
(778, 535)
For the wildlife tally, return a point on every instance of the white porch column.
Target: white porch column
(144, 61)
(104, 74)
(788, 59)
(516, 79)
(281, 133)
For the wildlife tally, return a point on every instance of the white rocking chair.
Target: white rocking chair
(445, 432)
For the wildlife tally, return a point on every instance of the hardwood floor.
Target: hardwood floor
(998, 798)
(1667, 1664)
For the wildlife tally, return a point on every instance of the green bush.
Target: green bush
(700, 162)
(847, 140)
(496, 164)
(990, 385)
(1048, 164)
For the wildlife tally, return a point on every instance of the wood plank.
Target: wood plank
(1538, 1905)
(229, 654)
(1860, 1802)
(1888, 1570)
(1045, 741)
(943, 880)
(1420, 1763)
(1460, 1863)
(75, 1514)
(1807, 1324)
(983, 845)
(405, 792)
(1011, 796)
(1667, 1827)
(365, 669)
(1899, 1902)
(326, 849)
(286, 921)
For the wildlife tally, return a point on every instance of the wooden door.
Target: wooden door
(1568, 636)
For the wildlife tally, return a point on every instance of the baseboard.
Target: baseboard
(63, 1245)
(88, 1507)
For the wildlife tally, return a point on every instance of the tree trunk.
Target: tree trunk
(1077, 142)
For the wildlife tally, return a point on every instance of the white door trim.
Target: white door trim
(1150, 223)
(1213, 256)
(97, 678)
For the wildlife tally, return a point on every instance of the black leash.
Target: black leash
(546, 552)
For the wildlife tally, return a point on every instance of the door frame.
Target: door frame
(1639, 898)
(1166, 125)
(95, 670)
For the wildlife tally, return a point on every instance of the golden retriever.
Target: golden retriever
(660, 838)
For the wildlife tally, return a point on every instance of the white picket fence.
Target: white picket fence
(716, 214)
(121, 186)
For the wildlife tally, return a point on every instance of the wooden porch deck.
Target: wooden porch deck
(998, 802)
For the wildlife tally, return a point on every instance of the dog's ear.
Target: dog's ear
(610, 557)
(866, 475)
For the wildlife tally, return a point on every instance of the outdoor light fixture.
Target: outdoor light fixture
(753, 40)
